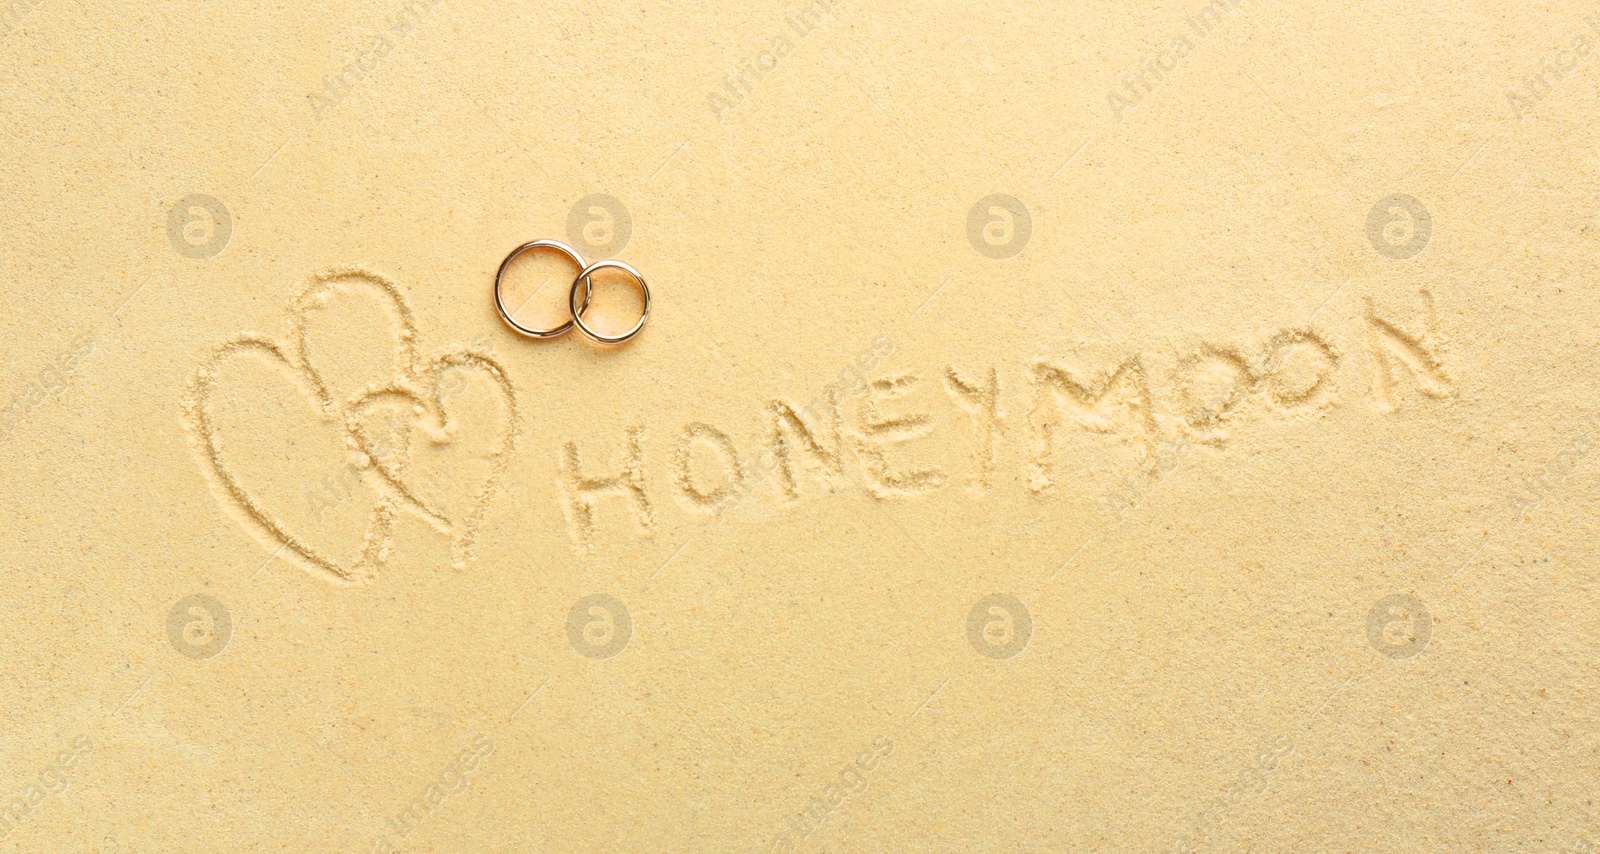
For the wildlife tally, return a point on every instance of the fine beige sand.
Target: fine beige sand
(1059, 427)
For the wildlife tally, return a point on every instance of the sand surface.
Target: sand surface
(1059, 427)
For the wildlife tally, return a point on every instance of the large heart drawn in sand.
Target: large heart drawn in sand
(363, 433)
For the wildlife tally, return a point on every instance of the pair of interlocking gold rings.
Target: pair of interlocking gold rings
(582, 281)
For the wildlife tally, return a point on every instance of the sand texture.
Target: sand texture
(1059, 427)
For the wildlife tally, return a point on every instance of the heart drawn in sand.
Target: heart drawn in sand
(317, 441)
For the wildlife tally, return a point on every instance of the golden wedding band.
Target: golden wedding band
(583, 281)
(577, 310)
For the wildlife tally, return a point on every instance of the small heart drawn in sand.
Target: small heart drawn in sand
(317, 441)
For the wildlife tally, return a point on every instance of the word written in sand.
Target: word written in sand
(1073, 427)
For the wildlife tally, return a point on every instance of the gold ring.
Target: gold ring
(583, 280)
(500, 304)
